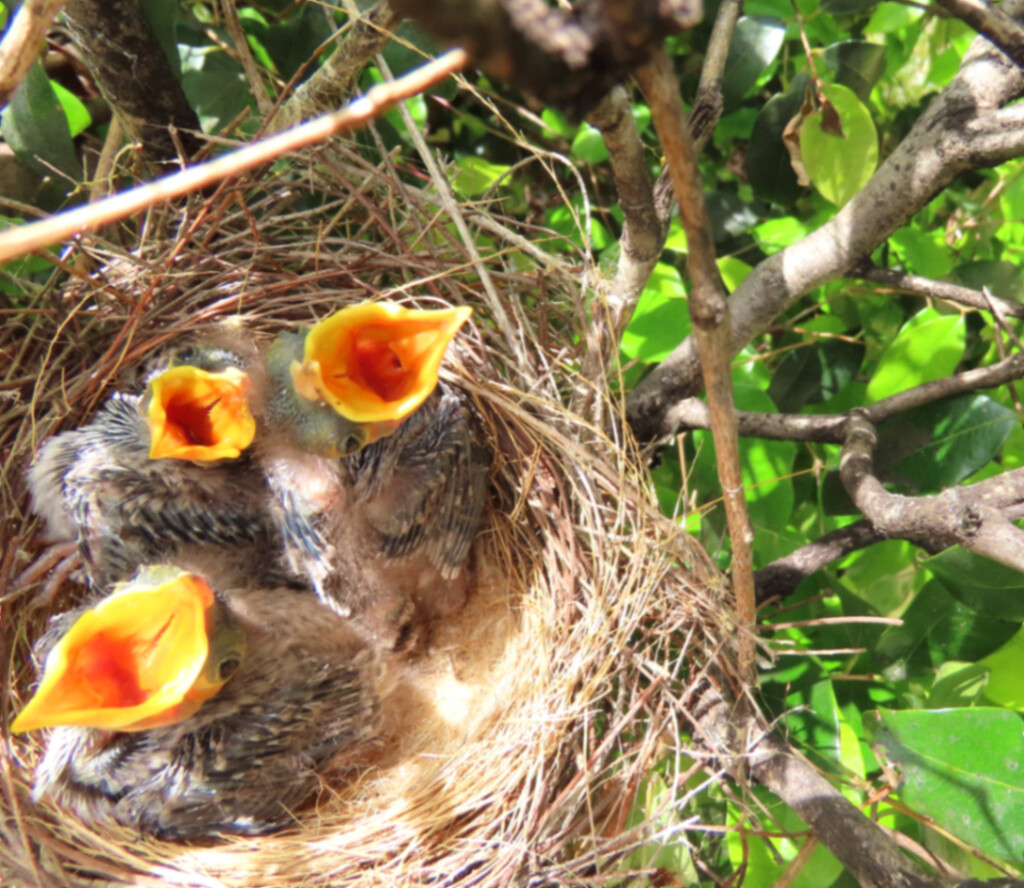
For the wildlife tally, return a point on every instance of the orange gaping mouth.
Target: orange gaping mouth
(376, 361)
(198, 415)
(133, 662)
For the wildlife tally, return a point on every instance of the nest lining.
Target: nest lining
(524, 734)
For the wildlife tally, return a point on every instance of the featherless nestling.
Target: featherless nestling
(378, 472)
(154, 474)
(185, 713)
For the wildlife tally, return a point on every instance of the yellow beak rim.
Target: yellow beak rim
(199, 415)
(376, 361)
(133, 662)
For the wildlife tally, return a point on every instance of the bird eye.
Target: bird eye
(228, 667)
(350, 443)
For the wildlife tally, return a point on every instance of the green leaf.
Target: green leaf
(755, 44)
(857, 64)
(777, 234)
(767, 163)
(923, 253)
(475, 175)
(662, 317)
(589, 145)
(839, 166)
(846, 7)
(937, 445)
(35, 127)
(928, 347)
(815, 373)
(654, 811)
(557, 124)
(958, 685)
(982, 584)
(1004, 279)
(214, 83)
(937, 628)
(962, 768)
(883, 577)
(78, 117)
(1006, 673)
(888, 18)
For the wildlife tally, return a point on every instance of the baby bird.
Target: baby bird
(185, 713)
(157, 473)
(378, 471)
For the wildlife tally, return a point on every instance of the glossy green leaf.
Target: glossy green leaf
(1006, 673)
(882, 576)
(214, 84)
(733, 271)
(767, 163)
(662, 317)
(476, 175)
(982, 584)
(589, 146)
(857, 64)
(36, 129)
(755, 44)
(922, 252)
(937, 628)
(777, 234)
(888, 18)
(937, 445)
(839, 166)
(557, 124)
(962, 768)
(928, 347)
(815, 373)
(958, 685)
(78, 117)
(1004, 279)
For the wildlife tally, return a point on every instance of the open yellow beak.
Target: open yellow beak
(134, 661)
(376, 361)
(198, 415)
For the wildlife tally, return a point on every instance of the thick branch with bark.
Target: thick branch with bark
(738, 735)
(964, 128)
(134, 74)
(569, 58)
(953, 517)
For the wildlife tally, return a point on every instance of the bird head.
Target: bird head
(149, 654)
(357, 375)
(200, 414)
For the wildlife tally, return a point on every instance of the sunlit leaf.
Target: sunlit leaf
(839, 166)
(928, 347)
(755, 44)
(982, 584)
(962, 768)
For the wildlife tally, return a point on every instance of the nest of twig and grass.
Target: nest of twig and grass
(528, 734)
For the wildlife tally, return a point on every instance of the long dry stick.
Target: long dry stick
(709, 312)
(36, 235)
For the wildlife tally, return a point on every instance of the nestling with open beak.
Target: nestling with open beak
(378, 472)
(184, 713)
(157, 473)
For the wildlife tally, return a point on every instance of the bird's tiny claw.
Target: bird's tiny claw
(62, 558)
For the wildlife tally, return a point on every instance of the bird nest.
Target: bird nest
(521, 747)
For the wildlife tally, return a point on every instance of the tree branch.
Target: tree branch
(782, 576)
(953, 517)
(643, 234)
(334, 83)
(22, 42)
(922, 286)
(709, 313)
(738, 735)
(569, 58)
(134, 74)
(993, 23)
(961, 130)
(830, 428)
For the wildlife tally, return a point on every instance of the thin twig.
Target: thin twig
(710, 315)
(37, 235)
